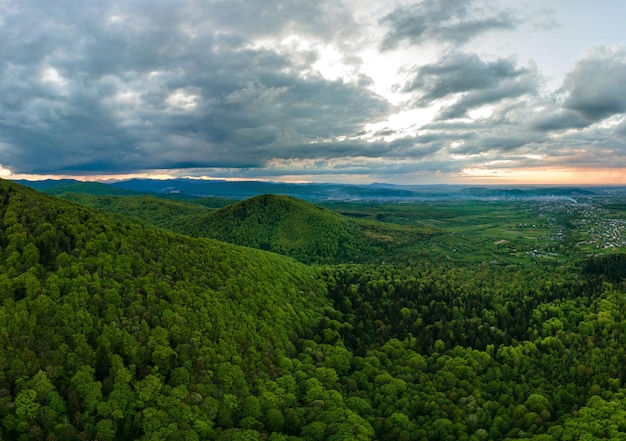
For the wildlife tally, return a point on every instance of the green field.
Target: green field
(504, 232)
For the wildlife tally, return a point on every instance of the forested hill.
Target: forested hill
(281, 224)
(165, 213)
(116, 329)
(287, 226)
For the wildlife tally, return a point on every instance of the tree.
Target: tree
(26, 409)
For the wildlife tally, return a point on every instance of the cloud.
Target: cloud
(596, 88)
(576, 126)
(558, 120)
(324, 19)
(258, 88)
(593, 91)
(525, 126)
(470, 81)
(151, 85)
(452, 21)
(620, 131)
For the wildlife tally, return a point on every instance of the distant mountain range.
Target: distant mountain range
(317, 192)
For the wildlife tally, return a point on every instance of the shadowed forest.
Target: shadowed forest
(168, 317)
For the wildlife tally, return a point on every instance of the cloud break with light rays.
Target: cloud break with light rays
(407, 92)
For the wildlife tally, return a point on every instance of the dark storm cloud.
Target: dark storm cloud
(458, 72)
(122, 86)
(419, 147)
(504, 143)
(472, 81)
(525, 124)
(454, 21)
(559, 120)
(596, 87)
(593, 90)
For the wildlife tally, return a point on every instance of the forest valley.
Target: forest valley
(134, 316)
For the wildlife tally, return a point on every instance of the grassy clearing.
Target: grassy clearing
(508, 232)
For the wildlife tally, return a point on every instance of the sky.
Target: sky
(355, 91)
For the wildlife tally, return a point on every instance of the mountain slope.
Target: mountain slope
(115, 330)
(156, 211)
(54, 187)
(288, 226)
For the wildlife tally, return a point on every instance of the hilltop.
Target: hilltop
(288, 226)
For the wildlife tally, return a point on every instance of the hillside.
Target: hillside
(287, 226)
(156, 211)
(111, 198)
(111, 329)
(106, 323)
(55, 187)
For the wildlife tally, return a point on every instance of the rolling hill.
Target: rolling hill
(156, 211)
(288, 226)
(281, 224)
(55, 187)
(118, 330)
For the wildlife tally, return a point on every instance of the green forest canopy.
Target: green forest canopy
(116, 330)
